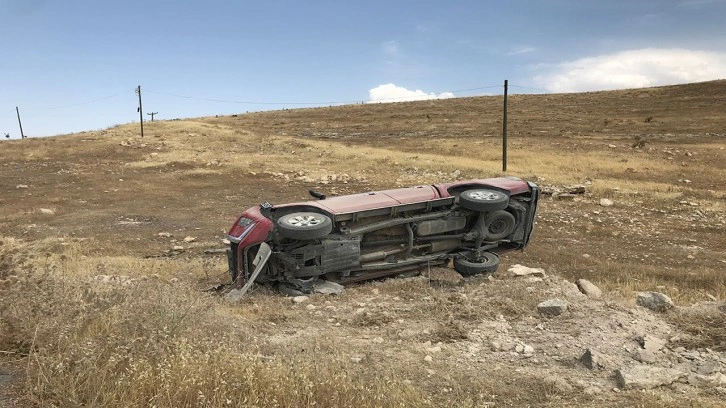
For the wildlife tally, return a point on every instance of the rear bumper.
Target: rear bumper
(532, 213)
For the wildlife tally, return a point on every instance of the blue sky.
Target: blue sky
(73, 65)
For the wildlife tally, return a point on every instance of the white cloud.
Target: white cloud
(633, 69)
(521, 50)
(393, 93)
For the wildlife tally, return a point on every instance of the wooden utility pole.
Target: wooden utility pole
(141, 112)
(504, 129)
(22, 135)
(152, 115)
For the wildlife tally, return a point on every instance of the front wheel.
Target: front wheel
(304, 225)
(475, 264)
(484, 200)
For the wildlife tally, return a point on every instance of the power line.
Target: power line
(82, 103)
(307, 103)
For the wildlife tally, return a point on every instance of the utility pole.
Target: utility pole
(504, 129)
(152, 115)
(141, 112)
(22, 135)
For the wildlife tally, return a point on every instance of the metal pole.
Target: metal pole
(22, 135)
(141, 111)
(504, 129)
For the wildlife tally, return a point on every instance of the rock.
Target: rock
(177, 248)
(21, 186)
(47, 211)
(165, 235)
(575, 189)
(495, 346)
(519, 348)
(592, 360)
(520, 270)
(428, 359)
(654, 301)
(528, 349)
(647, 377)
(299, 299)
(612, 146)
(646, 356)
(552, 307)
(652, 343)
(709, 368)
(713, 380)
(605, 202)
(589, 289)
(189, 239)
(327, 288)
(310, 307)
(356, 359)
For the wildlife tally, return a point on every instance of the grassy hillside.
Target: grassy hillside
(103, 237)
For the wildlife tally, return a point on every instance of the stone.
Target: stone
(713, 380)
(519, 348)
(709, 368)
(652, 343)
(575, 189)
(592, 360)
(654, 301)
(528, 349)
(327, 288)
(428, 359)
(299, 299)
(646, 356)
(165, 235)
(605, 202)
(47, 211)
(520, 270)
(646, 377)
(21, 186)
(189, 239)
(495, 346)
(552, 307)
(589, 289)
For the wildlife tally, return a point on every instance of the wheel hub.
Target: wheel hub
(484, 195)
(304, 221)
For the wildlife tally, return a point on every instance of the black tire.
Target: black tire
(304, 225)
(486, 262)
(484, 200)
(500, 224)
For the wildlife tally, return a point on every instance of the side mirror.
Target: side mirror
(316, 194)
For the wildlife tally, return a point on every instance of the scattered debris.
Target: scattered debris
(552, 307)
(521, 270)
(589, 289)
(654, 301)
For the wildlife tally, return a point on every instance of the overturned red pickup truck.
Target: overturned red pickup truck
(369, 235)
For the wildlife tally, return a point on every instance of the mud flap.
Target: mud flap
(263, 254)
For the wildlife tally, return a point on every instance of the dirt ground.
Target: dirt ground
(109, 212)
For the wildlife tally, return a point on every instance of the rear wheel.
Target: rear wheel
(499, 225)
(304, 225)
(475, 264)
(484, 200)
